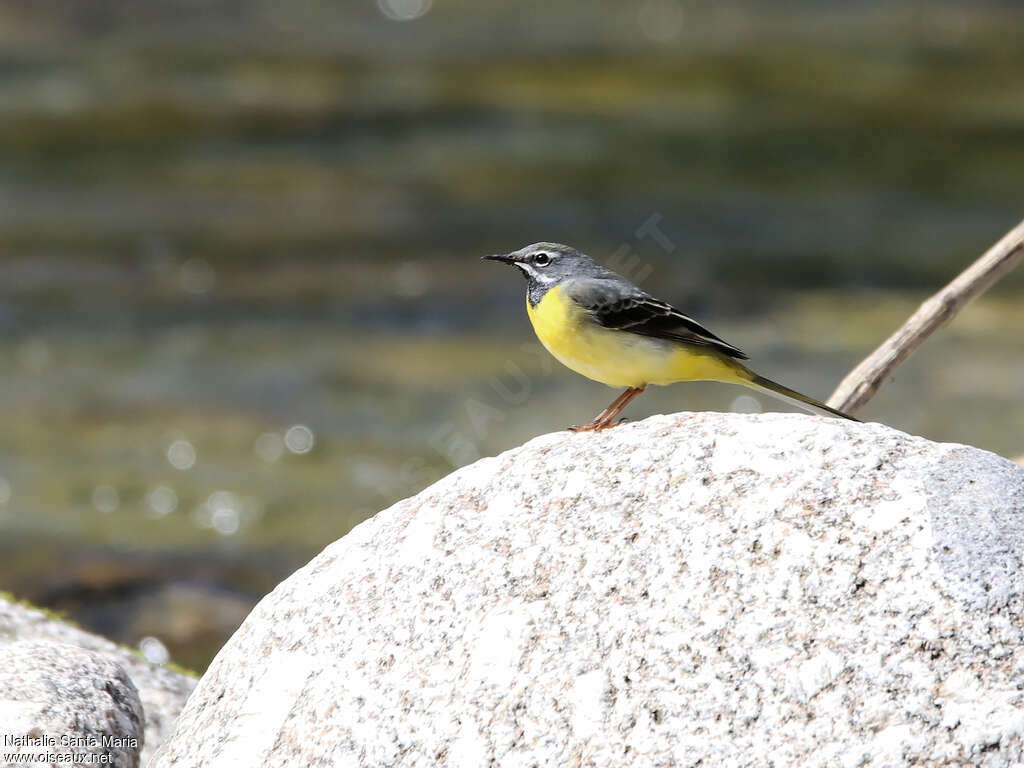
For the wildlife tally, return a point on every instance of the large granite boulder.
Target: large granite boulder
(706, 589)
(161, 691)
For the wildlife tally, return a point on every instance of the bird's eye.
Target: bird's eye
(541, 259)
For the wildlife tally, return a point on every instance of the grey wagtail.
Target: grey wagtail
(601, 325)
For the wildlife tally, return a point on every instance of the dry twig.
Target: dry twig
(862, 382)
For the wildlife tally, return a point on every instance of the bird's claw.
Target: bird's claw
(596, 427)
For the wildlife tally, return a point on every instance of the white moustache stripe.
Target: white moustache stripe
(535, 274)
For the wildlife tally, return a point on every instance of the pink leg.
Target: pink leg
(604, 418)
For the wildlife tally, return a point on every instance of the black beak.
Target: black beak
(503, 257)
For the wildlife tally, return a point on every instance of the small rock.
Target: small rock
(161, 690)
(65, 704)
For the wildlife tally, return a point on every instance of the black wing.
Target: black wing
(626, 308)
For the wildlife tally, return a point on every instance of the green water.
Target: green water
(230, 228)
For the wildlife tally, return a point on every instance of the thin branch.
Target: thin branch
(862, 382)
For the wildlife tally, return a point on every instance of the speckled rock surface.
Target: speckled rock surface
(161, 690)
(61, 704)
(712, 589)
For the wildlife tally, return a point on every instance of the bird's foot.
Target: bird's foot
(609, 424)
(596, 426)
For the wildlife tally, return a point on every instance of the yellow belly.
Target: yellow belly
(620, 358)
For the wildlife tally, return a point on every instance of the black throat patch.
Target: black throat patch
(535, 290)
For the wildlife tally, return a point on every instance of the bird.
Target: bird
(600, 325)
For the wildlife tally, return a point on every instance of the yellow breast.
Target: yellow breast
(617, 358)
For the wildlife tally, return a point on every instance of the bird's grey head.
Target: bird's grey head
(545, 265)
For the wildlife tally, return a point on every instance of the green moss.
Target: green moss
(173, 667)
(182, 670)
(58, 616)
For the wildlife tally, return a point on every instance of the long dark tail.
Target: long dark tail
(792, 396)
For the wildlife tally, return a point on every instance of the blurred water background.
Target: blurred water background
(240, 296)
